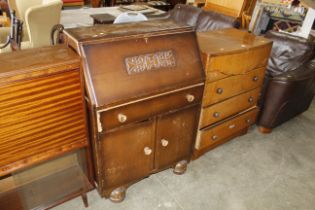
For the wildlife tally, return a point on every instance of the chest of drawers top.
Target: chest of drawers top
(232, 51)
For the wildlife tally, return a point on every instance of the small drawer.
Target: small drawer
(231, 86)
(240, 62)
(221, 132)
(147, 108)
(229, 107)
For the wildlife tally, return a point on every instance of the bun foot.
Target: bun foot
(180, 167)
(118, 195)
(264, 130)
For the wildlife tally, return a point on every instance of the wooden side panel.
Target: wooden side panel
(40, 118)
(175, 137)
(231, 86)
(127, 154)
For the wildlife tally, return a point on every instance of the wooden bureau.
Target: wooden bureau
(44, 147)
(235, 63)
(144, 90)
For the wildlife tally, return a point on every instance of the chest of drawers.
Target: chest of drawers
(144, 89)
(44, 147)
(234, 62)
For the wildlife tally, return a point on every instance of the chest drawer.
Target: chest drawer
(221, 132)
(229, 107)
(239, 62)
(147, 108)
(231, 86)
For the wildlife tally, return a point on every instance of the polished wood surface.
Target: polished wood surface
(158, 105)
(232, 86)
(235, 63)
(42, 111)
(232, 51)
(226, 129)
(229, 107)
(144, 86)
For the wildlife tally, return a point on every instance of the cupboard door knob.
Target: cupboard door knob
(255, 78)
(122, 118)
(216, 114)
(214, 137)
(164, 142)
(249, 121)
(232, 126)
(190, 97)
(250, 99)
(147, 151)
(219, 91)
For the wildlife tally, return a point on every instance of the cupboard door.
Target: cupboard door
(175, 136)
(127, 154)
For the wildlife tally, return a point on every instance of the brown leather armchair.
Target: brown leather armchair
(290, 80)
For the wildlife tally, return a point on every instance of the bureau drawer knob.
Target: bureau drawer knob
(147, 151)
(250, 99)
(216, 114)
(249, 121)
(190, 97)
(214, 137)
(255, 78)
(219, 91)
(164, 142)
(122, 118)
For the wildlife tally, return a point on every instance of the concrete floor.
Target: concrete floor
(252, 172)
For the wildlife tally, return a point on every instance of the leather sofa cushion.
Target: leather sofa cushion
(288, 53)
(213, 21)
(185, 14)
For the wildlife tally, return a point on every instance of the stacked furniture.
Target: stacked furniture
(44, 147)
(235, 63)
(144, 89)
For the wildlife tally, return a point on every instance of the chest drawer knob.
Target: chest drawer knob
(190, 97)
(250, 99)
(214, 137)
(219, 91)
(255, 78)
(147, 151)
(249, 121)
(216, 114)
(122, 118)
(164, 142)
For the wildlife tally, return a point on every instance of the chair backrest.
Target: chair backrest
(23, 5)
(128, 17)
(40, 21)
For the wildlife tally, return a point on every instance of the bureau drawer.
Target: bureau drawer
(221, 132)
(229, 107)
(241, 62)
(142, 110)
(231, 86)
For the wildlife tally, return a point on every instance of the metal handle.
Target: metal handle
(232, 126)
(147, 151)
(216, 114)
(190, 97)
(164, 142)
(219, 91)
(214, 137)
(255, 78)
(122, 118)
(250, 99)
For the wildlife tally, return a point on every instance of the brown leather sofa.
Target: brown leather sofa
(290, 80)
(201, 20)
